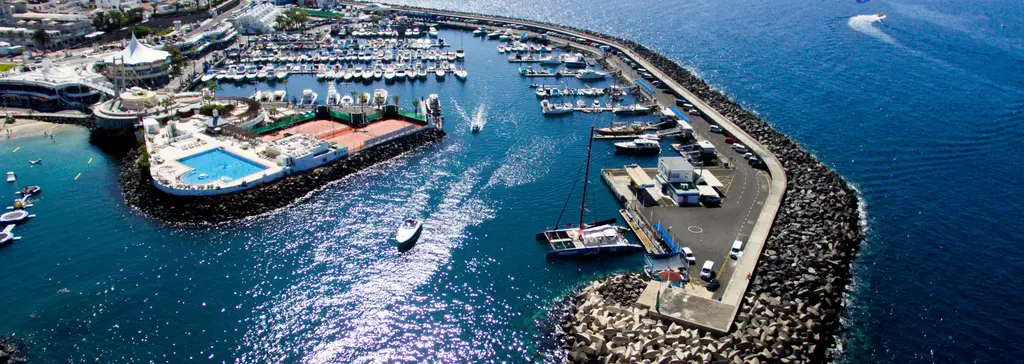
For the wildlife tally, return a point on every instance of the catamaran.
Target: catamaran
(586, 240)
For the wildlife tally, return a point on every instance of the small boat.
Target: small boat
(308, 97)
(440, 74)
(432, 32)
(282, 74)
(30, 190)
(7, 235)
(631, 110)
(408, 232)
(380, 96)
(34, 162)
(332, 94)
(16, 216)
(389, 74)
(639, 146)
(207, 77)
(589, 74)
(461, 74)
(347, 100)
(279, 95)
(549, 108)
(11, 177)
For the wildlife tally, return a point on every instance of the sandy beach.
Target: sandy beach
(25, 128)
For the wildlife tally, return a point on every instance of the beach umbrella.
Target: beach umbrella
(670, 275)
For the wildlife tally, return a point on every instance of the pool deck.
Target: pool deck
(341, 135)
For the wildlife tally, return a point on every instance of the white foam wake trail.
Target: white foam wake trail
(866, 24)
(480, 116)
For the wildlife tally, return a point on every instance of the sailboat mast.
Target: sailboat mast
(586, 175)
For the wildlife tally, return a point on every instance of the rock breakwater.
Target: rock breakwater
(139, 191)
(12, 350)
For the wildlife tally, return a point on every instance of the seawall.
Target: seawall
(790, 309)
(140, 193)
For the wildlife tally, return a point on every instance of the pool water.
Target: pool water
(216, 164)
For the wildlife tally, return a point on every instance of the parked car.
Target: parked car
(707, 270)
(737, 247)
(689, 256)
(716, 129)
(740, 148)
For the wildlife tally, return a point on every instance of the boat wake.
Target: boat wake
(479, 117)
(524, 163)
(866, 24)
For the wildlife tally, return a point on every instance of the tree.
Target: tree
(41, 37)
(167, 102)
(362, 101)
(134, 15)
(177, 59)
(115, 19)
(99, 20)
(416, 106)
(395, 99)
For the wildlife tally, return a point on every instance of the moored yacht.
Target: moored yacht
(308, 97)
(587, 74)
(639, 146)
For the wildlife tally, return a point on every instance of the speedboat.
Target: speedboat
(408, 232)
(440, 74)
(461, 74)
(332, 94)
(11, 177)
(432, 32)
(549, 108)
(34, 162)
(421, 74)
(282, 74)
(207, 77)
(389, 74)
(639, 146)
(262, 74)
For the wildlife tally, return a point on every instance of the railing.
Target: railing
(284, 123)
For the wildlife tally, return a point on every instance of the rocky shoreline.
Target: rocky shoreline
(138, 189)
(12, 350)
(791, 311)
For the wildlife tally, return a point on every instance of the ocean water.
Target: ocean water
(920, 111)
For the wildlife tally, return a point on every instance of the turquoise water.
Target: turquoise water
(217, 164)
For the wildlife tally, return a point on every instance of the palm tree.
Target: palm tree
(362, 102)
(353, 93)
(41, 37)
(416, 106)
(395, 99)
(167, 102)
(99, 20)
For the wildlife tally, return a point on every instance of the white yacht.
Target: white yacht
(461, 74)
(439, 73)
(635, 109)
(432, 32)
(282, 73)
(639, 146)
(549, 108)
(332, 94)
(251, 72)
(11, 177)
(587, 74)
(409, 231)
(347, 101)
(389, 74)
(262, 74)
(308, 97)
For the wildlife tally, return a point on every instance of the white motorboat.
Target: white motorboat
(549, 108)
(440, 74)
(549, 61)
(207, 77)
(589, 74)
(378, 73)
(635, 109)
(16, 216)
(347, 100)
(332, 94)
(11, 177)
(389, 74)
(7, 235)
(573, 60)
(250, 73)
(282, 74)
(422, 74)
(639, 146)
(262, 74)
(308, 97)
(409, 231)
(221, 75)
(279, 95)
(461, 74)
(432, 32)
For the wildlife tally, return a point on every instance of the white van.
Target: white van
(705, 272)
(737, 246)
(692, 260)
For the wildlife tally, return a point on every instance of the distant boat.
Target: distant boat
(408, 233)
(461, 74)
(639, 146)
(30, 190)
(11, 177)
(34, 162)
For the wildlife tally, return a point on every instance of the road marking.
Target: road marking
(695, 229)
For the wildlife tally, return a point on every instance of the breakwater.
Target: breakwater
(791, 309)
(137, 185)
(11, 350)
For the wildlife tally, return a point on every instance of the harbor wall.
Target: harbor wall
(794, 298)
(140, 192)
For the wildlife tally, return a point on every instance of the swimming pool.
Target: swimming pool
(217, 164)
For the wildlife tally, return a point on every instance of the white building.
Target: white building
(260, 18)
(117, 4)
(63, 29)
(141, 64)
(676, 179)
